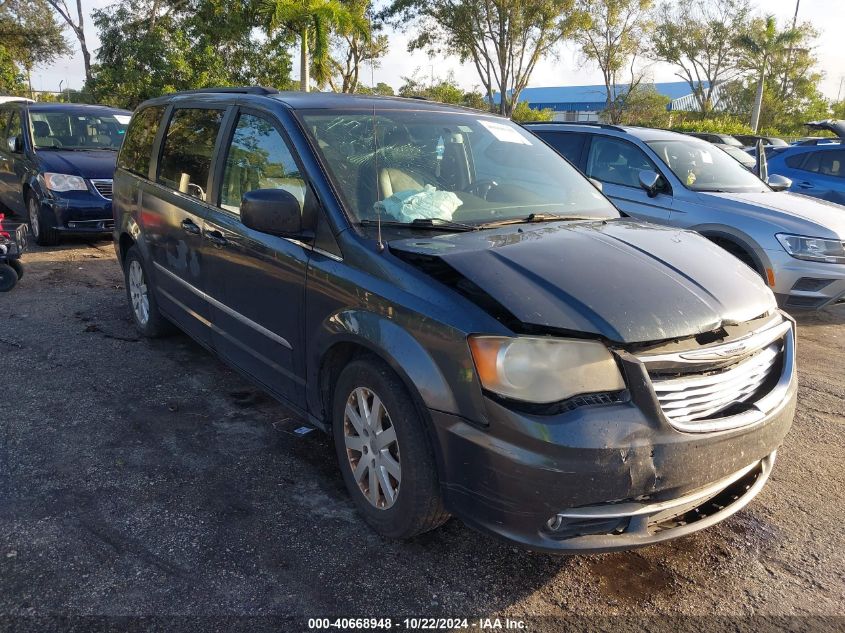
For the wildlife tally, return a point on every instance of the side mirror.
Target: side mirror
(596, 183)
(15, 144)
(779, 183)
(272, 211)
(651, 181)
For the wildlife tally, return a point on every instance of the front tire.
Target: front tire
(43, 229)
(8, 278)
(384, 453)
(142, 301)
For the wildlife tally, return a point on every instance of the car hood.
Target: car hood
(793, 212)
(626, 281)
(95, 163)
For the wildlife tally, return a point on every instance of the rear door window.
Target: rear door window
(569, 144)
(617, 162)
(188, 149)
(258, 158)
(135, 154)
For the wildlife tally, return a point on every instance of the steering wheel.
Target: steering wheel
(481, 188)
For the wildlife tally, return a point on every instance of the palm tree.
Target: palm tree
(313, 22)
(760, 45)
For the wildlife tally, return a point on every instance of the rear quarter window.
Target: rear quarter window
(568, 144)
(136, 150)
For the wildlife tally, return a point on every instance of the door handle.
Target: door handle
(805, 185)
(216, 238)
(190, 227)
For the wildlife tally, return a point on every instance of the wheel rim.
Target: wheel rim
(372, 448)
(138, 292)
(33, 217)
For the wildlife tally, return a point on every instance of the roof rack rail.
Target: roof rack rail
(243, 90)
(605, 126)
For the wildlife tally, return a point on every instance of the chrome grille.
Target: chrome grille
(688, 398)
(103, 186)
(696, 388)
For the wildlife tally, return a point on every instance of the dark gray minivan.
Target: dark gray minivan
(469, 317)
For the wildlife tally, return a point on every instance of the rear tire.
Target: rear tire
(8, 278)
(142, 300)
(16, 264)
(42, 228)
(381, 441)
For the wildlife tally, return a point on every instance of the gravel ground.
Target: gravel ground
(145, 478)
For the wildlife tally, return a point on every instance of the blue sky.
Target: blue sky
(568, 69)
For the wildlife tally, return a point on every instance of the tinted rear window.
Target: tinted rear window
(566, 143)
(138, 145)
(188, 149)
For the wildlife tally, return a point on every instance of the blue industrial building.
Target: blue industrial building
(585, 103)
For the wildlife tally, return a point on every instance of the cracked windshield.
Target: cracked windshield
(412, 166)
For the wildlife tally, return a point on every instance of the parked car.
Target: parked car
(56, 166)
(739, 155)
(795, 243)
(468, 315)
(713, 137)
(750, 140)
(816, 169)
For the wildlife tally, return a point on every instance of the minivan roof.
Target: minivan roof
(297, 100)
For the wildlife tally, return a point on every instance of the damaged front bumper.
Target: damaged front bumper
(608, 474)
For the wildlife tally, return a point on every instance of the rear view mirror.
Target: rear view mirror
(651, 181)
(779, 183)
(273, 211)
(15, 144)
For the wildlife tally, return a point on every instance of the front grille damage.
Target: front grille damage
(699, 385)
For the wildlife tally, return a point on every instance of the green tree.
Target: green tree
(759, 46)
(698, 37)
(504, 39)
(29, 36)
(523, 113)
(152, 48)
(380, 88)
(353, 49)
(313, 21)
(442, 90)
(643, 105)
(615, 35)
(838, 110)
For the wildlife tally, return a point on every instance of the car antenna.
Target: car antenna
(379, 242)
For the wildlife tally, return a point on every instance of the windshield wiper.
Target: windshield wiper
(536, 217)
(436, 224)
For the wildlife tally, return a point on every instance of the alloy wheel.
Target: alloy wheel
(138, 292)
(33, 218)
(372, 448)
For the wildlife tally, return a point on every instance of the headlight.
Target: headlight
(814, 249)
(64, 182)
(544, 370)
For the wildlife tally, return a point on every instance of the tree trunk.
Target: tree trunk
(758, 100)
(304, 62)
(80, 35)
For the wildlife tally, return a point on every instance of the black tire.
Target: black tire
(417, 507)
(155, 325)
(740, 253)
(43, 231)
(8, 278)
(16, 264)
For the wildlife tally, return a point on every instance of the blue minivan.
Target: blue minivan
(56, 166)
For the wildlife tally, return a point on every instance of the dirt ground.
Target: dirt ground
(145, 478)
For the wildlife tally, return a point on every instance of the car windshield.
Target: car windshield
(409, 166)
(76, 130)
(703, 167)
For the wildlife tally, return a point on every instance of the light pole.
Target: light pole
(61, 81)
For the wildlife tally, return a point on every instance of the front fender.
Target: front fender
(737, 237)
(391, 342)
